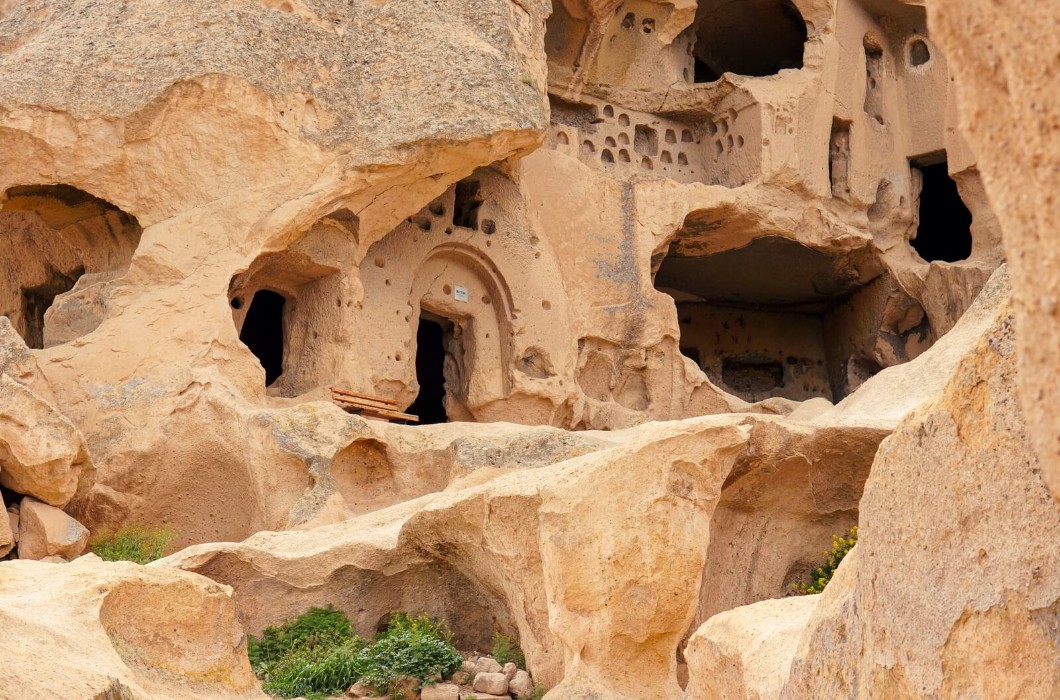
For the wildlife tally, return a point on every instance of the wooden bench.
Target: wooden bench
(370, 406)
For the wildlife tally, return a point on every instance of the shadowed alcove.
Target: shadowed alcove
(59, 247)
(747, 37)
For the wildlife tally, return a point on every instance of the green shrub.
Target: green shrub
(506, 649)
(419, 647)
(317, 628)
(317, 654)
(135, 543)
(823, 574)
(313, 671)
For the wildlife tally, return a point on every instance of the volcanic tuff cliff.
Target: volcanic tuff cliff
(678, 290)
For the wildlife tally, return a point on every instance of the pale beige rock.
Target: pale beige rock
(360, 690)
(487, 664)
(552, 566)
(1003, 58)
(42, 454)
(88, 628)
(746, 652)
(440, 691)
(521, 684)
(491, 683)
(952, 594)
(45, 531)
(8, 530)
(510, 670)
(368, 203)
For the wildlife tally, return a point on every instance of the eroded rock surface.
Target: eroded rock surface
(747, 652)
(96, 629)
(42, 454)
(1009, 102)
(956, 592)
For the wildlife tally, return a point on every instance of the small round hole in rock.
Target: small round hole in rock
(919, 53)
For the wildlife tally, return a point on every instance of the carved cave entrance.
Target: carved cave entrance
(262, 331)
(436, 338)
(944, 228)
(778, 319)
(59, 247)
(747, 37)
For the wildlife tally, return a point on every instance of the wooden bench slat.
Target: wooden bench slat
(361, 402)
(380, 413)
(343, 392)
(373, 406)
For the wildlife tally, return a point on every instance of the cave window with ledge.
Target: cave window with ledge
(290, 307)
(944, 222)
(775, 318)
(747, 37)
(60, 247)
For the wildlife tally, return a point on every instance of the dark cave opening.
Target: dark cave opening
(263, 332)
(944, 230)
(751, 37)
(37, 300)
(431, 339)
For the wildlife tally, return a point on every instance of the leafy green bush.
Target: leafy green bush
(419, 647)
(317, 654)
(823, 574)
(135, 543)
(506, 649)
(317, 628)
(312, 671)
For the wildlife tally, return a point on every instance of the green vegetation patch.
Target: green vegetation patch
(318, 654)
(506, 649)
(823, 574)
(135, 543)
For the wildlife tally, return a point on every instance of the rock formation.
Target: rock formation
(677, 289)
(91, 629)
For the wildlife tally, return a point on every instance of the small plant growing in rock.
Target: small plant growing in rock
(823, 574)
(135, 543)
(506, 649)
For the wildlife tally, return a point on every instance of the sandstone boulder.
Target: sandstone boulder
(746, 652)
(491, 683)
(90, 628)
(46, 531)
(487, 664)
(521, 684)
(440, 691)
(956, 579)
(42, 454)
(8, 530)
